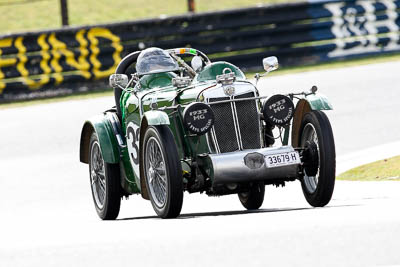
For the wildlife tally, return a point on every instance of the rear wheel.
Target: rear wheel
(254, 198)
(104, 181)
(163, 171)
(319, 158)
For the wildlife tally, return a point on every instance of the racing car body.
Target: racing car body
(203, 127)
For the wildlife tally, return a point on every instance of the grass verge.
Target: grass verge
(20, 15)
(383, 170)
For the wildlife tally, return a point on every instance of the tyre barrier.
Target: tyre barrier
(52, 62)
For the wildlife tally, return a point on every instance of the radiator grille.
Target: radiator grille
(225, 129)
(249, 123)
(224, 126)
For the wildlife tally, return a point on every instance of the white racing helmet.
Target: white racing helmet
(155, 60)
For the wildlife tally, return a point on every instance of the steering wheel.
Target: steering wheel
(190, 52)
(126, 62)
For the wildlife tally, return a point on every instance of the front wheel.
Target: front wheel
(254, 198)
(104, 181)
(163, 171)
(319, 155)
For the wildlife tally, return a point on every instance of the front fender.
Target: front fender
(152, 117)
(156, 117)
(107, 140)
(310, 102)
(319, 102)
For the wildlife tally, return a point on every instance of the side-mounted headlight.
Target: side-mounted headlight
(198, 118)
(278, 110)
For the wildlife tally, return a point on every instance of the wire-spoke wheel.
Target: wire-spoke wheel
(163, 171)
(104, 181)
(320, 159)
(308, 138)
(156, 174)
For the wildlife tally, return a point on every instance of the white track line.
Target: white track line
(366, 156)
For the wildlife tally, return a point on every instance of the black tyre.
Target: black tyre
(104, 181)
(253, 199)
(163, 171)
(320, 158)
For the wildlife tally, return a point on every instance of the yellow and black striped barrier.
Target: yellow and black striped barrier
(32, 62)
(37, 64)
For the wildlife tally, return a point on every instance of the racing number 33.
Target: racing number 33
(132, 134)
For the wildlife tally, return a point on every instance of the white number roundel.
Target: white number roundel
(132, 136)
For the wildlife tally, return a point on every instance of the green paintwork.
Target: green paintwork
(211, 71)
(107, 140)
(190, 94)
(187, 145)
(316, 102)
(319, 102)
(156, 117)
(156, 80)
(163, 97)
(132, 104)
(134, 117)
(131, 183)
(158, 88)
(110, 150)
(131, 112)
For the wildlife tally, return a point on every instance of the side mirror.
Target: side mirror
(270, 64)
(197, 63)
(118, 80)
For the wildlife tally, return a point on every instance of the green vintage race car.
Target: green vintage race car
(184, 123)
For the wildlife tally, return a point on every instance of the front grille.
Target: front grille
(224, 127)
(227, 128)
(249, 122)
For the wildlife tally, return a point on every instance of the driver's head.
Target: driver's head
(155, 60)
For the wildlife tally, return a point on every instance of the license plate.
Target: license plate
(282, 159)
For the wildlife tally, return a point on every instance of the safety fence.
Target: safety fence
(36, 64)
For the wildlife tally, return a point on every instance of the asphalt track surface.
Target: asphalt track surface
(48, 219)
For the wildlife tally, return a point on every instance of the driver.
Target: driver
(151, 60)
(155, 60)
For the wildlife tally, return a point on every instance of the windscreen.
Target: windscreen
(155, 60)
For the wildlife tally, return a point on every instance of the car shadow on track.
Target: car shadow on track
(232, 213)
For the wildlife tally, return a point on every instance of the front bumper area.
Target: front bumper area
(247, 166)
